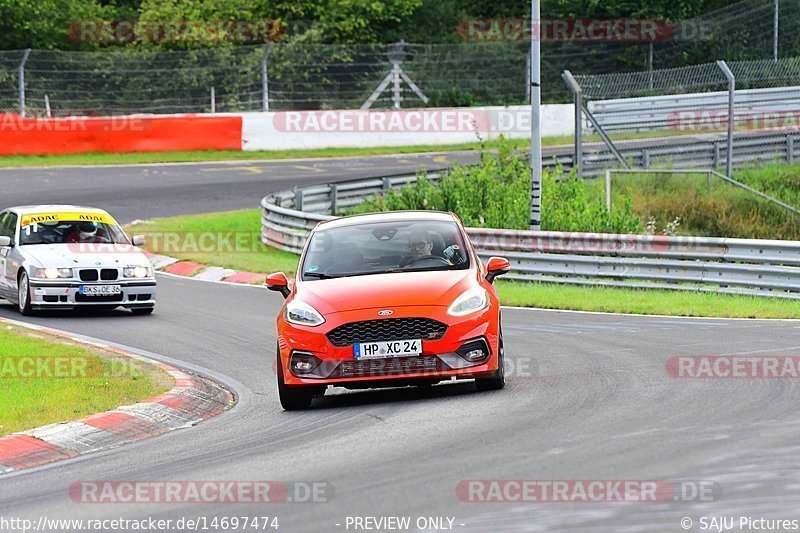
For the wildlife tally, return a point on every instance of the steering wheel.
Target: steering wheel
(441, 260)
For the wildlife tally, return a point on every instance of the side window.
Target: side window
(8, 226)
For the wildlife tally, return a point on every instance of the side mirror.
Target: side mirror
(5, 241)
(278, 282)
(497, 266)
(138, 240)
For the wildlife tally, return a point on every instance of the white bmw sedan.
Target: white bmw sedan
(62, 257)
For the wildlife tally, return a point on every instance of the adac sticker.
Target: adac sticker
(39, 218)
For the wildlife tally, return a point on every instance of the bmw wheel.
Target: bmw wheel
(24, 295)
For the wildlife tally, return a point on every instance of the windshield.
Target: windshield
(68, 232)
(383, 247)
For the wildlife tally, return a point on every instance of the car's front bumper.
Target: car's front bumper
(438, 361)
(65, 294)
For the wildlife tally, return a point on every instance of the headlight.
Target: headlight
(470, 301)
(53, 273)
(137, 272)
(301, 313)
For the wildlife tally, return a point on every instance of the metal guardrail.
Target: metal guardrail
(737, 266)
(663, 112)
(698, 151)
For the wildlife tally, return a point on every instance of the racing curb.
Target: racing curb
(191, 269)
(192, 400)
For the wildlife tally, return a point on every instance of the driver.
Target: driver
(420, 244)
(87, 232)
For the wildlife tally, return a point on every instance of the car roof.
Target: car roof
(390, 216)
(33, 209)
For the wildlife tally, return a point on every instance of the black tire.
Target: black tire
(292, 399)
(24, 295)
(497, 380)
(143, 311)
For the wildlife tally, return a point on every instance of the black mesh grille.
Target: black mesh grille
(388, 367)
(89, 275)
(109, 274)
(389, 329)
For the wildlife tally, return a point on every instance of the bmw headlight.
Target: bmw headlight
(137, 272)
(53, 273)
(301, 313)
(474, 299)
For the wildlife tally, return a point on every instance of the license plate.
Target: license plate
(100, 290)
(374, 350)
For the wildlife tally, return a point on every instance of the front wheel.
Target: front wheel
(24, 295)
(497, 380)
(292, 399)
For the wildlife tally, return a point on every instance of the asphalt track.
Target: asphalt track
(588, 398)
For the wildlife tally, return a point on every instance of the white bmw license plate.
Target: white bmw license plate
(100, 290)
(373, 350)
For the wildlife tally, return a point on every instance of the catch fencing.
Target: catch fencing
(737, 266)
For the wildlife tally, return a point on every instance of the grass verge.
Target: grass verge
(256, 257)
(46, 379)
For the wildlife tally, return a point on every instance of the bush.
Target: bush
(496, 194)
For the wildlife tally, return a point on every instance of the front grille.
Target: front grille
(89, 275)
(109, 274)
(108, 298)
(388, 367)
(388, 329)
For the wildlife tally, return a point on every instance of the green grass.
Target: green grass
(235, 155)
(93, 381)
(643, 301)
(241, 228)
(544, 295)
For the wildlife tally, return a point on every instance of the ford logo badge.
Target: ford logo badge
(385, 312)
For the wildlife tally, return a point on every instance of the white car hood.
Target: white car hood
(93, 256)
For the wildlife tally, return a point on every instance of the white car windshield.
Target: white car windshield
(382, 247)
(67, 232)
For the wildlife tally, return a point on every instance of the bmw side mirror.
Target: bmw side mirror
(138, 240)
(278, 282)
(497, 266)
(5, 241)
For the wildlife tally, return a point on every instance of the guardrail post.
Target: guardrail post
(715, 155)
(646, 158)
(789, 148)
(608, 190)
(387, 184)
(298, 198)
(334, 198)
(731, 93)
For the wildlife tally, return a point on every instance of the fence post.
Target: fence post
(646, 158)
(265, 79)
(213, 101)
(47, 106)
(22, 82)
(775, 33)
(789, 148)
(731, 92)
(577, 161)
(396, 80)
(334, 198)
(650, 64)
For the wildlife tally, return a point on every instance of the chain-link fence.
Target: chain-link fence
(298, 75)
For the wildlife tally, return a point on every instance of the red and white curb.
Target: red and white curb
(192, 400)
(191, 269)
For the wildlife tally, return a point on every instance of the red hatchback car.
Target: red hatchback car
(388, 300)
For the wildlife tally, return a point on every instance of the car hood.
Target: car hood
(72, 256)
(435, 288)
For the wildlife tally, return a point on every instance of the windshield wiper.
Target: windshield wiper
(318, 275)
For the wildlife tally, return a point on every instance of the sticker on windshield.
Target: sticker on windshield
(43, 218)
